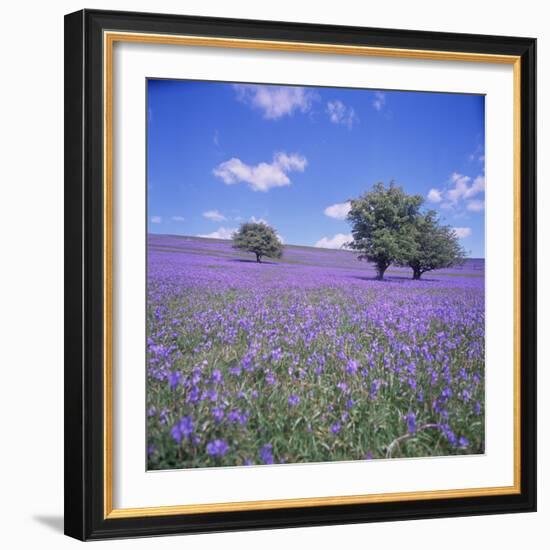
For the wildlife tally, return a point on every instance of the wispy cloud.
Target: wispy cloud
(262, 176)
(337, 241)
(178, 219)
(478, 155)
(339, 113)
(214, 216)
(254, 219)
(276, 101)
(156, 219)
(460, 192)
(338, 211)
(475, 206)
(225, 233)
(379, 101)
(462, 232)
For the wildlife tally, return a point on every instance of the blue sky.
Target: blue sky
(220, 154)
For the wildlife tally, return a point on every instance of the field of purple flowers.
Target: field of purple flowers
(308, 358)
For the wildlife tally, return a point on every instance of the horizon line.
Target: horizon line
(284, 244)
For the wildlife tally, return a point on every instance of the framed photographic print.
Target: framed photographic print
(300, 274)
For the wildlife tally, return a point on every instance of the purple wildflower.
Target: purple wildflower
(410, 417)
(174, 379)
(352, 366)
(266, 453)
(218, 414)
(218, 447)
(217, 376)
(293, 400)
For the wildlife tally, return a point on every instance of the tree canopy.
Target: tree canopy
(382, 220)
(258, 238)
(436, 246)
(388, 227)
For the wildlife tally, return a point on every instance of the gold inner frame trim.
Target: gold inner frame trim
(109, 39)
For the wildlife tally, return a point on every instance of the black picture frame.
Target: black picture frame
(84, 281)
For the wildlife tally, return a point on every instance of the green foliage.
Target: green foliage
(259, 239)
(382, 226)
(436, 246)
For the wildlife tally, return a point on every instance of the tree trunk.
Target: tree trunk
(417, 274)
(259, 258)
(380, 269)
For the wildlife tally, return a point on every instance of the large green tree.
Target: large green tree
(436, 246)
(258, 238)
(382, 220)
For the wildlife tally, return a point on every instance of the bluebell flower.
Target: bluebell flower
(235, 371)
(266, 453)
(183, 428)
(218, 447)
(293, 400)
(449, 434)
(217, 376)
(410, 417)
(174, 379)
(186, 426)
(176, 434)
(218, 414)
(352, 366)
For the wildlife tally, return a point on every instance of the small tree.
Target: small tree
(436, 246)
(382, 220)
(258, 238)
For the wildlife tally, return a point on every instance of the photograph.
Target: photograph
(315, 274)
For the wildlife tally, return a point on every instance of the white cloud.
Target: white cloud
(379, 101)
(156, 219)
(434, 195)
(214, 215)
(338, 211)
(462, 232)
(262, 176)
(276, 101)
(178, 219)
(460, 191)
(338, 241)
(460, 188)
(254, 219)
(338, 113)
(477, 187)
(222, 233)
(475, 205)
